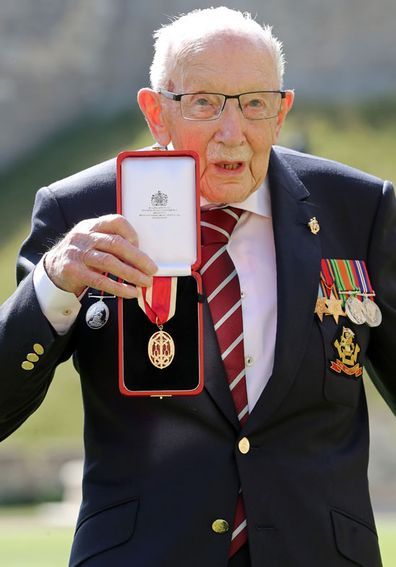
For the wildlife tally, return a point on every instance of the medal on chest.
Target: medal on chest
(97, 315)
(350, 282)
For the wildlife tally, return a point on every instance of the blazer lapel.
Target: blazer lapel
(298, 255)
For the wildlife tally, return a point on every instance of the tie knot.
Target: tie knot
(218, 224)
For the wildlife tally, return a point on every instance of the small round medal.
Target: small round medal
(355, 311)
(372, 312)
(97, 315)
(161, 349)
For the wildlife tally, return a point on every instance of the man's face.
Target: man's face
(234, 151)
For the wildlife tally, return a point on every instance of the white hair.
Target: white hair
(187, 33)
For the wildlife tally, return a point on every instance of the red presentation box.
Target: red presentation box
(158, 192)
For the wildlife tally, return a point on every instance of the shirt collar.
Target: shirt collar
(258, 202)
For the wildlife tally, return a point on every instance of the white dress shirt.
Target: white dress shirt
(252, 250)
(60, 307)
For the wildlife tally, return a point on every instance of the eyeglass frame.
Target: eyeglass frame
(177, 97)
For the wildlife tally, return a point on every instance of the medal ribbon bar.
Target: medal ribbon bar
(345, 280)
(328, 279)
(159, 301)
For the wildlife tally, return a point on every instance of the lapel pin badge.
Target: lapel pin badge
(314, 225)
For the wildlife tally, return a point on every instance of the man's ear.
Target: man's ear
(287, 104)
(150, 105)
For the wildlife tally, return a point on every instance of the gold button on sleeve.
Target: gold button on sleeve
(38, 349)
(26, 365)
(244, 445)
(32, 357)
(220, 526)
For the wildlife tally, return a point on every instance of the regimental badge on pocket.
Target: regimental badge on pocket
(346, 353)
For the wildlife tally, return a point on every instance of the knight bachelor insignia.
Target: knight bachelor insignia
(159, 304)
(348, 351)
(161, 349)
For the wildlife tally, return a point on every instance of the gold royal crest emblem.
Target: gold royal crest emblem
(348, 351)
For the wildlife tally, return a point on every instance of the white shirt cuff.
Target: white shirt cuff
(59, 307)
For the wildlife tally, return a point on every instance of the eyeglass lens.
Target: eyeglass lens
(207, 106)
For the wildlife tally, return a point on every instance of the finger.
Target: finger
(103, 283)
(117, 246)
(116, 224)
(106, 262)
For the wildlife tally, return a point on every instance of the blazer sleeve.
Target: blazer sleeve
(381, 363)
(30, 349)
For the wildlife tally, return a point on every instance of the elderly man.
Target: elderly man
(267, 466)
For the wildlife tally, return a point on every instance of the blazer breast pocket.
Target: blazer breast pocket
(103, 530)
(344, 346)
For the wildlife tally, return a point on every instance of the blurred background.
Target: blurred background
(69, 73)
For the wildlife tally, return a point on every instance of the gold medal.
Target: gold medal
(321, 308)
(334, 308)
(161, 349)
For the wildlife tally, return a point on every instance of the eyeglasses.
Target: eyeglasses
(257, 105)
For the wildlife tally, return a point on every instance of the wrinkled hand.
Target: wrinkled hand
(97, 246)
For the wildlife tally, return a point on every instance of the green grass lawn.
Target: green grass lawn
(35, 546)
(49, 547)
(387, 537)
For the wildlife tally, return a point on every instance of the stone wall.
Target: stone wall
(60, 59)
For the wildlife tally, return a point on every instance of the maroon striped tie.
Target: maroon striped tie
(224, 297)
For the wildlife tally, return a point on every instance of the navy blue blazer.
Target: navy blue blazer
(159, 472)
